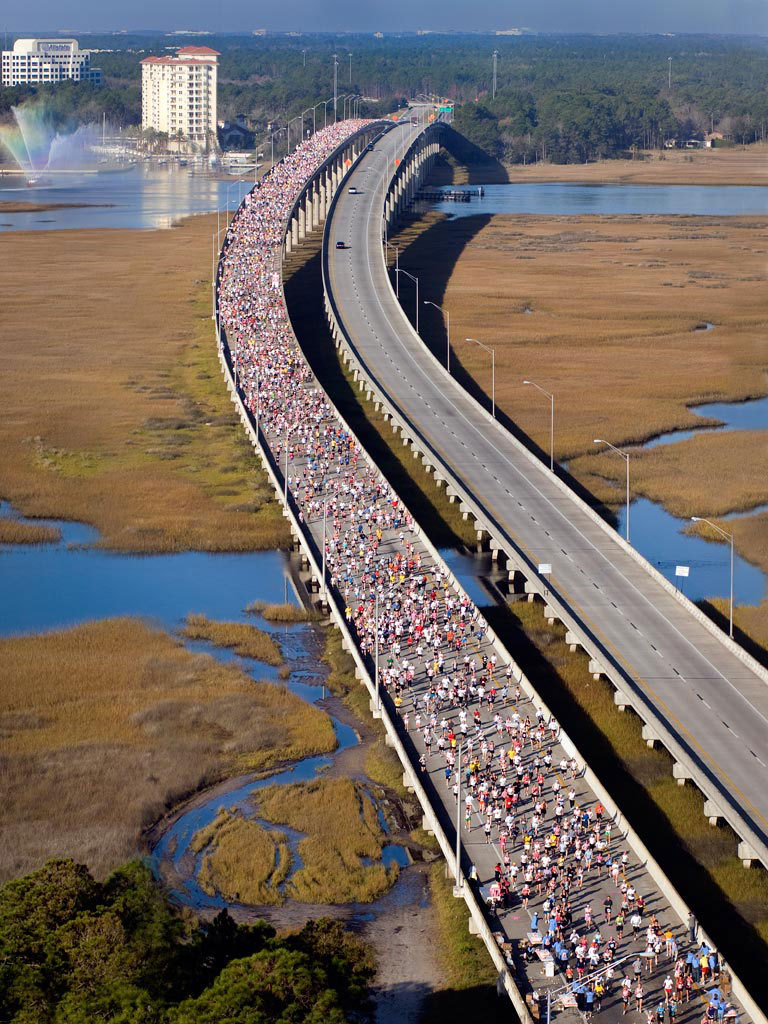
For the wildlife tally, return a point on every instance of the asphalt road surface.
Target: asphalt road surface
(715, 706)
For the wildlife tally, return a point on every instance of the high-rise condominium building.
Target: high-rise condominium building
(35, 61)
(178, 94)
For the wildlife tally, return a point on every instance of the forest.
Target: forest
(562, 98)
(74, 950)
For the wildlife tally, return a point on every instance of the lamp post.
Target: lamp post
(551, 422)
(325, 513)
(448, 331)
(350, 68)
(258, 156)
(376, 647)
(493, 372)
(625, 456)
(389, 245)
(458, 819)
(335, 84)
(272, 153)
(728, 537)
(416, 280)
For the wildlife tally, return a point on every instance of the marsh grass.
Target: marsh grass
(107, 725)
(727, 166)
(152, 455)
(245, 862)
(245, 640)
(341, 828)
(283, 612)
(680, 476)
(14, 532)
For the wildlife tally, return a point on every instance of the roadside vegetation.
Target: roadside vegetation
(107, 725)
(245, 640)
(153, 454)
(79, 950)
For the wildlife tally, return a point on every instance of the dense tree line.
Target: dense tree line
(74, 950)
(563, 97)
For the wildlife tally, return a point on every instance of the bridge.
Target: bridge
(249, 275)
(698, 693)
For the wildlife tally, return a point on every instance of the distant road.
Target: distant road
(715, 706)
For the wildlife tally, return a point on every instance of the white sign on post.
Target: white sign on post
(545, 569)
(682, 570)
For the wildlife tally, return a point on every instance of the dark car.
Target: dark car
(341, 245)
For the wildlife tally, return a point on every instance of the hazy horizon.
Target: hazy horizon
(599, 17)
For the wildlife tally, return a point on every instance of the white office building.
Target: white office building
(36, 61)
(178, 95)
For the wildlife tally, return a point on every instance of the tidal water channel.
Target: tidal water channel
(54, 586)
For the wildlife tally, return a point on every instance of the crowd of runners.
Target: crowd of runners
(554, 849)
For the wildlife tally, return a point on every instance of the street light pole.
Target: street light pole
(625, 456)
(376, 647)
(350, 68)
(400, 270)
(325, 513)
(488, 348)
(448, 329)
(335, 84)
(551, 422)
(728, 537)
(458, 817)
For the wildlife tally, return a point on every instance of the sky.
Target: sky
(592, 16)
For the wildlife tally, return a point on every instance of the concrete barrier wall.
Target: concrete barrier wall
(365, 382)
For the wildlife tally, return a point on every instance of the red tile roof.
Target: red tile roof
(201, 51)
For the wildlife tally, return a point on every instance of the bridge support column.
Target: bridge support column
(714, 817)
(596, 668)
(407, 782)
(681, 773)
(572, 640)
(746, 854)
(294, 231)
(302, 220)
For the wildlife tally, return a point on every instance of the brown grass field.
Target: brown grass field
(720, 166)
(14, 532)
(113, 408)
(246, 641)
(107, 725)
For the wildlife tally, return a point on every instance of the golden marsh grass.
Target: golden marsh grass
(341, 827)
(117, 414)
(14, 532)
(106, 725)
(283, 612)
(246, 863)
(245, 640)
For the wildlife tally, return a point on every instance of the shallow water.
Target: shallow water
(145, 196)
(751, 415)
(556, 198)
(56, 585)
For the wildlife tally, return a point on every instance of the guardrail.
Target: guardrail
(369, 384)
(720, 801)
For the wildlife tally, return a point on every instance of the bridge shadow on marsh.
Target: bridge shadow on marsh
(432, 255)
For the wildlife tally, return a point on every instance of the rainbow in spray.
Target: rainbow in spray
(36, 146)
